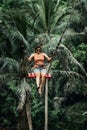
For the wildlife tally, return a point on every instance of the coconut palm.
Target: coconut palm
(12, 62)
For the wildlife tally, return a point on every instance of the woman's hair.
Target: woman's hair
(38, 47)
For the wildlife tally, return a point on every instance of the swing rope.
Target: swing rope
(55, 51)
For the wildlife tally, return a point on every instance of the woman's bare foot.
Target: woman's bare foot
(39, 91)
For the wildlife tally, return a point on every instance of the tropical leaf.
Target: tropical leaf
(69, 57)
(9, 65)
(18, 35)
(69, 74)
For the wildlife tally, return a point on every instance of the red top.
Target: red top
(39, 59)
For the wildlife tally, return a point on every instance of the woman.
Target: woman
(39, 67)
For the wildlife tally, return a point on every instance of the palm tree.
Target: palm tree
(12, 62)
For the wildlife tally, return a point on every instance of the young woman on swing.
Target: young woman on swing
(39, 67)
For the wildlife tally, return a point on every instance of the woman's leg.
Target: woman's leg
(43, 74)
(37, 73)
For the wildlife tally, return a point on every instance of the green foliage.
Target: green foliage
(76, 116)
(80, 54)
(8, 109)
(24, 25)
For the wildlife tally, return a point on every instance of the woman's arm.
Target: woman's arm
(47, 57)
(31, 57)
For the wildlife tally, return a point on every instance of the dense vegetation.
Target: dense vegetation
(24, 24)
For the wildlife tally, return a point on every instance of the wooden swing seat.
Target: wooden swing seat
(32, 75)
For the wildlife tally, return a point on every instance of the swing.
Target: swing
(32, 75)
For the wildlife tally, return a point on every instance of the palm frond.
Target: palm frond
(69, 74)
(58, 16)
(4, 78)
(18, 35)
(17, 28)
(57, 4)
(69, 57)
(41, 10)
(9, 65)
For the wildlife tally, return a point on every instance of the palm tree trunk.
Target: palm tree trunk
(46, 105)
(28, 112)
(18, 122)
(22, 120)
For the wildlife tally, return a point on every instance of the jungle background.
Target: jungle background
(24, 24)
